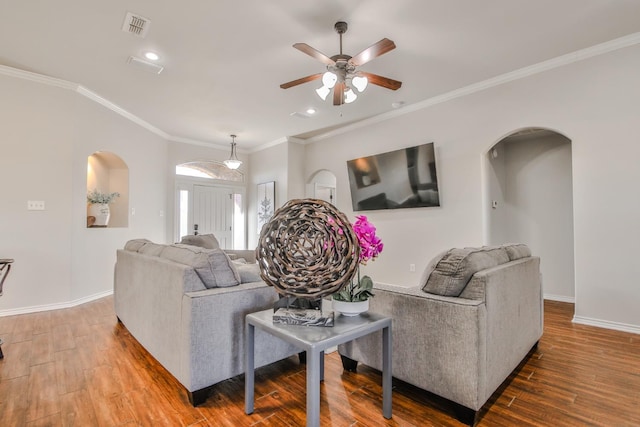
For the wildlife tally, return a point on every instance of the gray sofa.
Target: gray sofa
(475, 315)
(186, 306)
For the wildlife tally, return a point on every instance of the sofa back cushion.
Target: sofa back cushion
(207, 241)
(135, 245)
(213, 266)
(456, 267)
(152, 249)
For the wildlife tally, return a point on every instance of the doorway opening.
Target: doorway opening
(210, 199)
(529, 199)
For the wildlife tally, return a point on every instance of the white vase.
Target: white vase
(350, 308)
(101, 212)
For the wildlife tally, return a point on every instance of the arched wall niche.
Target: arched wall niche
(107, 173)
(529, 199)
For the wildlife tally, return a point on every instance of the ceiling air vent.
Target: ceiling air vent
(145, 65)
(136, 24)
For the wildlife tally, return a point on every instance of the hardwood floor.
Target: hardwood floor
(79, 367)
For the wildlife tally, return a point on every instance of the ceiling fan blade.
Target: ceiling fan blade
(301, 80)
(373, 51)
(338, 93)
(385, 82)
(305, 48)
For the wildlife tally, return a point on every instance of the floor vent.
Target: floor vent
(136, 24)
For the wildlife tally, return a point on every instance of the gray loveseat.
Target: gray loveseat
(186, 306)
(459, 334)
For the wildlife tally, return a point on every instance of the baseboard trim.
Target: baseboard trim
(560, 298)
(57, 306)
(616, 326)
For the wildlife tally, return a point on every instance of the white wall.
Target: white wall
(47, 134)
(592, 102)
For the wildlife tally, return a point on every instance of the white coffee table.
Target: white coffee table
(314, 340)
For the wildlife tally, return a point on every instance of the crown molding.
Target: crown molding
(35, 77)
(121, 111)
(521, 73)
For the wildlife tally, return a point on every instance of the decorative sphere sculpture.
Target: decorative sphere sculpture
(308, 249)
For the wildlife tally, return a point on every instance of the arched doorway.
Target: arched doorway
(322, 185)
(530, 200)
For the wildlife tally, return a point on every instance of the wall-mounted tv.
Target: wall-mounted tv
(403, 178)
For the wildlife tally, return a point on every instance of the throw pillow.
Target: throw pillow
(213, 266)
(151, 248)
(135, 244)
(430, 267)
(454, 270)
(248, 272)
(207, 241)
(517, 251)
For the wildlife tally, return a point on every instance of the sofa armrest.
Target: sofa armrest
(213, 336)
(437, 340)
(514, 316)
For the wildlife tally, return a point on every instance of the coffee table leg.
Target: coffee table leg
(313, 388)
(386, 372)
(249, 370)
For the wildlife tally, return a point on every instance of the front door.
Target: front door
(213, 213)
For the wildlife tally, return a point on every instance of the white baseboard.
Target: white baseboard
(616, 326)
(560, 298)
(57, 306)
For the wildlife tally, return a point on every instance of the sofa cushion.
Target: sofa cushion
(213, 266)
(248, 272)
(207, 241)
(134, 245)
(150, 248)
(454, 270)
(517, 250)
(430, 267)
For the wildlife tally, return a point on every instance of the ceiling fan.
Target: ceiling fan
(342, 74)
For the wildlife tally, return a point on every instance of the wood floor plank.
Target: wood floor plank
(13, 405)
(42, 394)
(78, 366)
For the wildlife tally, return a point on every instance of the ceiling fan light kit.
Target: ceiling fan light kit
(233, 162)
(342, 75)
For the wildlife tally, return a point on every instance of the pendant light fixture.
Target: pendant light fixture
(233, 162)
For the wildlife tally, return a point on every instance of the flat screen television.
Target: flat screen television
(404, 178)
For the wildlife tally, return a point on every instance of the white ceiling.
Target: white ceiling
(224, 60)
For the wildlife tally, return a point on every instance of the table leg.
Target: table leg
(313, 388)
(386, 372)
(249, 370)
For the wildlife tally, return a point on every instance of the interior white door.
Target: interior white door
(213, 213)
(326, 193)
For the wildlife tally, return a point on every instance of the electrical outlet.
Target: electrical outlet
(35, 205)
(412, 268)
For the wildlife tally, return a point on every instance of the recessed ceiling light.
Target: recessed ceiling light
(311, 110)
(152, 56)
(398, 104)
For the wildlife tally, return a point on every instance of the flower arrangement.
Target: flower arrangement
(370, 248)
(97, 198)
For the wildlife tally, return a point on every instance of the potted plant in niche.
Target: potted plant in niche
(353, 299)
(99, 207)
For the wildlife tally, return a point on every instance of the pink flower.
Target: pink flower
(370, 244)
